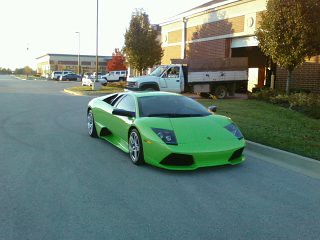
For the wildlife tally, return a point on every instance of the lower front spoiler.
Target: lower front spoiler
(191, 161)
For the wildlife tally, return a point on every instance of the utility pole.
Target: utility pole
(79, 71)
(97, 57)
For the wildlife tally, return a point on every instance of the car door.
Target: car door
(123, 123)
(172, 79)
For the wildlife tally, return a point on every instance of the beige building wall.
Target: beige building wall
(234, 20)
(58, 62)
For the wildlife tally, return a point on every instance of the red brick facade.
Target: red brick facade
(305, 77)
(208, 49)
(223, 27)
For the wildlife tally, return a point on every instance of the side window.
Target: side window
(115, 100)
(127, 103)
(173, 72)
(110, 98)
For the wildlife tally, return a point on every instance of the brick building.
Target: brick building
(50, 62)
(224, 29)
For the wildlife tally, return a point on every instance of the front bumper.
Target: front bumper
(193, 156)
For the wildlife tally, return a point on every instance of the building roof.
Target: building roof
(201, 8)
(72, 55)
(205, 5)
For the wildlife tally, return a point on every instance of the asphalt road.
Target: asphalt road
(58, 183)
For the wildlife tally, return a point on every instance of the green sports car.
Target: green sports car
(166, 130)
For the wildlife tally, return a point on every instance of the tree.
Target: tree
(5, 70)
(289, 32)
(142, 48)
(26, 71)
(117, 62)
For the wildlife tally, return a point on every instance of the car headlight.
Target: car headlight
(234, 130)
(167, 136)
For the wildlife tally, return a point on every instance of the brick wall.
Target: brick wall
(305, 77)
(223, 27)
(207, 49)
(258, 19)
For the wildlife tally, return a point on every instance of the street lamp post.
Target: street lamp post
(78, 53)
(97, 57)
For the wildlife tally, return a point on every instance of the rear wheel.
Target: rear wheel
(135, 147)
(221, 92)
(91, 127)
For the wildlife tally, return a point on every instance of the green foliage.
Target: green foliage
(26, 71)
(307, 103)
(289, 32)
(5, 70)
(142, 48)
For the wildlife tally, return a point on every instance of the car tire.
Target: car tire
(221, 92)
(135, 147)
(91, 126)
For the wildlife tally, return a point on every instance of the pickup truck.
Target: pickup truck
(177, 78)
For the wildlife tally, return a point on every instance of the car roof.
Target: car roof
(147, 94)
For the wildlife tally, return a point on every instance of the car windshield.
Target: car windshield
(158, 71)
(175, 106)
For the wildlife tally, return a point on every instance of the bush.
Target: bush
(281, 99)
(307, 103)
(121, 84)
(264, 94)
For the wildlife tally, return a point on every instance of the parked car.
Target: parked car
(87, 74)
(56, 75)
(67, 72)
(99, 74)
(113, 76)
(88, 81)
(70, 76)
(182, 135)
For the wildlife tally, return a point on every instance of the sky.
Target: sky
(32, 28)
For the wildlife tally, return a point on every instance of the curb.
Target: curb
(295, 162)
(73, 92)
(21, 78)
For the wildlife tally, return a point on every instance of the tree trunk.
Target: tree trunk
(288, 82)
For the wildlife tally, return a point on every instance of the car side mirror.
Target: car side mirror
(212, 109)
(122, 112)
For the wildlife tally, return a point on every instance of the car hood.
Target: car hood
(143, 79)
(194, 130)
(199, 130)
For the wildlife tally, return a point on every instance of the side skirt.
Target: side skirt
(116, 141)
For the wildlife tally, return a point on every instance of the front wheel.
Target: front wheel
(135, 147)
(91, 127)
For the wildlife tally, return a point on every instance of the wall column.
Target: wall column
(183, 38)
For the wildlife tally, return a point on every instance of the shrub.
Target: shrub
(264, 94)
(307, 103)
(281, 99)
